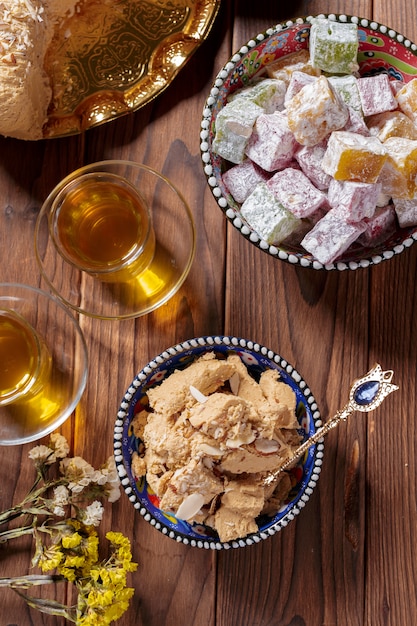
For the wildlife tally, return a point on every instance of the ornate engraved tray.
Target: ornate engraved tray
(112, 57)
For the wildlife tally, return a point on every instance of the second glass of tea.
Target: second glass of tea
(115, 239)
(43, 363)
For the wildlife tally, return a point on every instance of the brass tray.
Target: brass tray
(114, 56)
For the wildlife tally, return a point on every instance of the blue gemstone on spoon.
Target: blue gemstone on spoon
(366, 392)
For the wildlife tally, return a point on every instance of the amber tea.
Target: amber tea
(101, 224)
(24, 359)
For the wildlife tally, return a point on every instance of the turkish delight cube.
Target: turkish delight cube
(347, 88)
(266, 215)
(331, 237)
(234, 124)
(396, 85)
(407, 99)
(391, 124)
(315, 111)
(406, 211)
(297, 82)
(296, 193)
(241, 179)
(376, 94)
(356, 123)
(309, 159)
(399, 175)
(334, 46)
(284, 67)
(379, 227)
(305, 225)
(268, 93)
(353, 200)
(272, 144)
(350, 156)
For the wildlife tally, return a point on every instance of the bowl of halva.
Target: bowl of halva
(200, 434)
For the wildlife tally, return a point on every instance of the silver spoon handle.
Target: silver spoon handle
(366, 394)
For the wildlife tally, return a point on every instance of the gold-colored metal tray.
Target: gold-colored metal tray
(114, 56)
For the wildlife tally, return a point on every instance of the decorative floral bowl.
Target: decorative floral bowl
(381, 49)
(257, 358)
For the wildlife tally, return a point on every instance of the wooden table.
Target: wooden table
(350, 557)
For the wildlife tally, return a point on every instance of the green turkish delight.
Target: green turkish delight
(267, 216)
(334, 46)
(268, 93)
(234, 125)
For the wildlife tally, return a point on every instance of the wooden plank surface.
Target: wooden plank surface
(349, 558)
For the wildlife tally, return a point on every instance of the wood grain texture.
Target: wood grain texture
(349, 558)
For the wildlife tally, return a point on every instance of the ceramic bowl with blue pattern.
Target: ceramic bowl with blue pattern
(257, 358)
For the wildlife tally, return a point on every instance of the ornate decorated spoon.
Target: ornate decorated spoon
(366, 394)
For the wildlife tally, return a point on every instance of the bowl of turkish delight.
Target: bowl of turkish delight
(309, 141)
(206, 442)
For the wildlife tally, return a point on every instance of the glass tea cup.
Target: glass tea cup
(115, 239)
(43, 363)
(25, 361)
(100, 223)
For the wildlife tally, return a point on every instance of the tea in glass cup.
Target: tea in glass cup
(101, 224)
(115, 239)
(43, 363)
(25, 362)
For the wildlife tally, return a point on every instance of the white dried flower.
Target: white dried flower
(59, 511)
(109, 480)
(61, 496)
(40, 454)
(92, 514)
(78, 472)
(59, 445)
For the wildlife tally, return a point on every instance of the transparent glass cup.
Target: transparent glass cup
(25, 361)
(43, 363)
(115, 240)
(101, 224)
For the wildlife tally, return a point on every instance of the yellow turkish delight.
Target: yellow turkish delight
(284, 67)
(351, 156)
(315, 111)
(407, 99)
(399, 174)
(391, 124)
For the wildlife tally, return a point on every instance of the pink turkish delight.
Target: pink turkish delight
(378, 227)
(353, 200)
(309, 159)
(406, 211)
(331, 237)
(296, 193)
(297, 82)
(315, 111)
(242, 179)
(272, 144)
(376, 94)
(356, 124)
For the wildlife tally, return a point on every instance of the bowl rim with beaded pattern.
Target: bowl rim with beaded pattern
(257, 358)
(381, 49)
